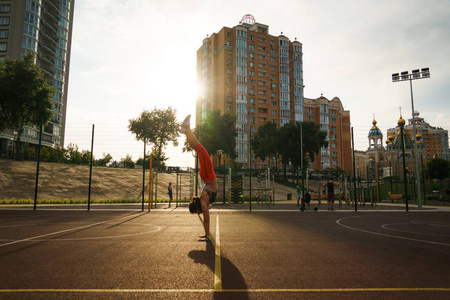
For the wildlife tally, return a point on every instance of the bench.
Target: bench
(393, 197)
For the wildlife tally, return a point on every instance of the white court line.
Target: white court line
(218, 266)
(306, 290)
(62, 231)
(387, 235)
(387, 227)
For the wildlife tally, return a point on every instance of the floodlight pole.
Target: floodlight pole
(416, 74)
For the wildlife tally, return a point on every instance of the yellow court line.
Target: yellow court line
(218, 266)
(222, 290)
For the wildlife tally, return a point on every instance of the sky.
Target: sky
(132, 55)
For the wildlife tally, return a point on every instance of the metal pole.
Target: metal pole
(37, 168)
(301, 164)
(419, 194)
(354, 173)
(90, 171)
(150, 183)
(404, 167)
(250, 186)
(390, 172)
(143, 173)
(378, 183)
(423, 181)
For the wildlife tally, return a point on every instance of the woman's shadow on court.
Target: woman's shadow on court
(231, 275)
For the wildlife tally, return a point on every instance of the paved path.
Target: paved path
(265, 254)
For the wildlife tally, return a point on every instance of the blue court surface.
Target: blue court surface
(61, 252)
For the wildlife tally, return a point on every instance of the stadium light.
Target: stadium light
(404, 76)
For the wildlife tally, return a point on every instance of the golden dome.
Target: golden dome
(374, 122)
(418, 136)
(401, 122)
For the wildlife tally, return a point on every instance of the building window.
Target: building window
(335, 162)
(333, 128)
(252, 64)
(251, 46)
(229, 99)
(273, 68)
(273, 86)
(229, 71)
(251, 91)
(251, 73)
(228, 34)
(273, 77)
(332, 112)
(3, 47)
(252, 119)
(251, 110)
(4, 8)
(273, 94)
(4, 21)
(4, 34)
(309, 110)
(333, 120)
(252, 100)
(310, 118)
(274, 112)
(272, 43)
(274, 103)
(333, 145)
(228, 52)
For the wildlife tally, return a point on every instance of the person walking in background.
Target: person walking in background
(299, 195)
(199, 205)
(330, 196)
(170, 189)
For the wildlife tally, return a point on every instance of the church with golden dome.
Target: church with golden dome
(388, 160)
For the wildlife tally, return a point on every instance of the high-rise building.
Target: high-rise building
(258, 77)
(43, 27)
(335, 120)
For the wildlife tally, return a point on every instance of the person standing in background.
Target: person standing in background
(169, 191)
(330, 196)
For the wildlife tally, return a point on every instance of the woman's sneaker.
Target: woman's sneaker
(186, 124)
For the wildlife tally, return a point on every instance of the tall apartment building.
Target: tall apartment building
(43, 27)
(333, 119)
(254, 75)
(258, 78)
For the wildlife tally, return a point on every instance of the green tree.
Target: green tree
(439, 169)
(107, 158)
(127, 162)
(25, 96)
(264, 141)
(217, 132)
(73, 155)
(60, 155)
(157, 127)
(289, 145)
